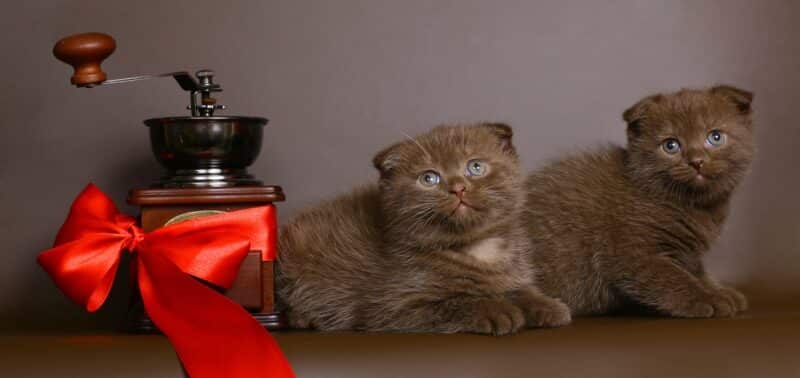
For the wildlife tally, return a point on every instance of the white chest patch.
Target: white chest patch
(489, 250)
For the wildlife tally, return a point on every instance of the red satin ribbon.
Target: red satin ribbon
(212, 335)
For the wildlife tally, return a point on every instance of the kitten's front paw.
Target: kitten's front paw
(549, 313)
(716, 305)
(541, 310)
(738, 299)
(497, 317)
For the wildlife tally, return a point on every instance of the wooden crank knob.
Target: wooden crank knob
(84, 52)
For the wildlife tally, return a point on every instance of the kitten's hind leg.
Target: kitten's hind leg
(298, 321)
(541, 310)
(658, 281)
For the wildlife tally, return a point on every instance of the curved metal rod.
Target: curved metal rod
(184, 79)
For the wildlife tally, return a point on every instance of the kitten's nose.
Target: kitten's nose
(696, 163)
(458, 189)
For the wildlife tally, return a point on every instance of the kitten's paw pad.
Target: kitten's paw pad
(552, 313)
(498, 318)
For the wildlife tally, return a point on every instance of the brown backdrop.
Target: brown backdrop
(341, 79)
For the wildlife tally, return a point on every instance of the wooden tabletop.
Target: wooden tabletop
(765, 342)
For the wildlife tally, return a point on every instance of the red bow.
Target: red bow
(213, 336)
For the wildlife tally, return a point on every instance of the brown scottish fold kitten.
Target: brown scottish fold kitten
(629, 225)
(436, 246)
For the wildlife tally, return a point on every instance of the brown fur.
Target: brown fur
(399, 256)
(617, 225)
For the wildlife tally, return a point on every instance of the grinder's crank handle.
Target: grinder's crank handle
(84, 52)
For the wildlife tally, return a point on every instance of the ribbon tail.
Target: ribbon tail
(212, 335)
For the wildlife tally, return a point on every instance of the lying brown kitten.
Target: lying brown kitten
(621, 225)
(436, 246)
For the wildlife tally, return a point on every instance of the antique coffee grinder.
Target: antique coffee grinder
(206, 157)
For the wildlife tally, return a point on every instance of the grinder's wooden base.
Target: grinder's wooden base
(254, 285)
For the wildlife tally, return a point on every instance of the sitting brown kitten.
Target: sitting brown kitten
(629, 225)
(436, 246)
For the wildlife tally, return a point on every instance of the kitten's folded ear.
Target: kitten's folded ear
(739, 97)
(637, 113)
(503, 133)
(387, 159)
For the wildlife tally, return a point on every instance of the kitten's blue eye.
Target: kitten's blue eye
(716, 138)
(429, 178)
(671, 146)
(476, 168)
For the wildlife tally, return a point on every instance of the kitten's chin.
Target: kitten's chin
(464, 214)
(705, 183)
(700, 181)
(462, 210)
(702, 188)
(693, 180)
